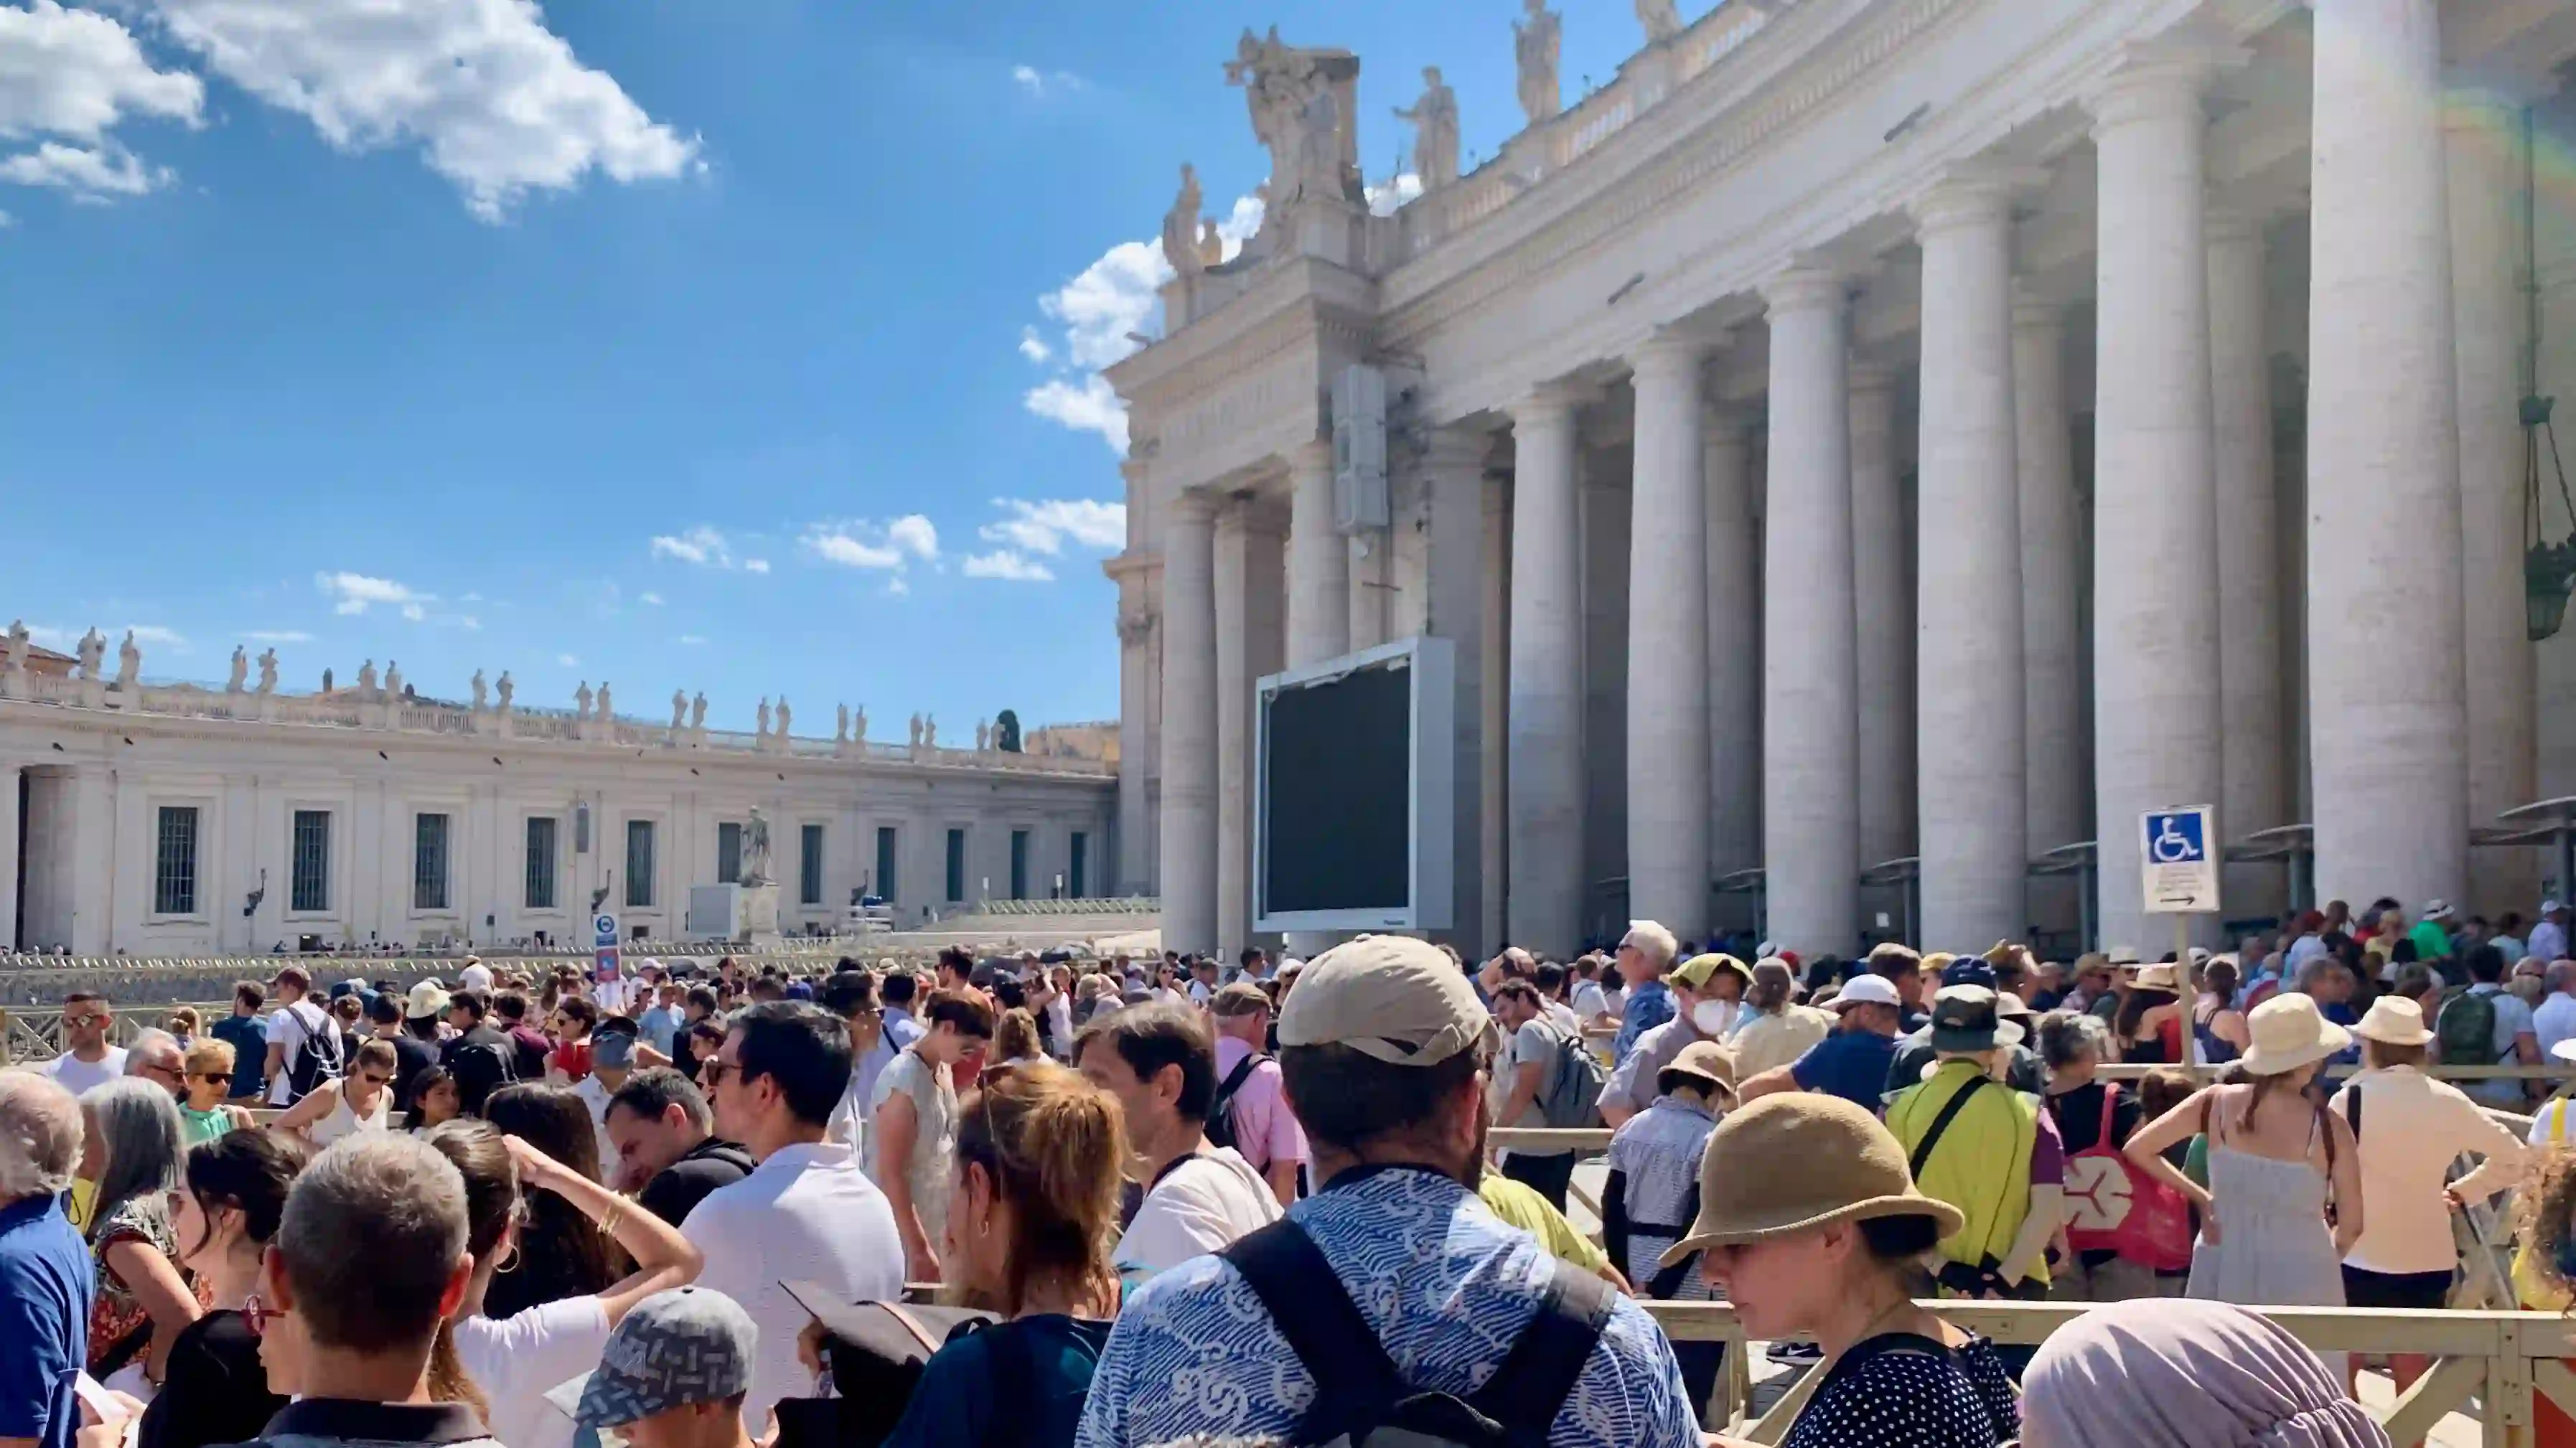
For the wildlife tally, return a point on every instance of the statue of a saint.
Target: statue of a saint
(129, 664)
(930, 731)
(983, 736)
(326, 681)
(13, 653)
(92, 651)
(268, 671)
(755, 849)
(841, 730)
(679, 710)
(581, 700)
(762, 731)
(241, 670)
(783, 718)
(1435, 131)
(482, 693)
(1319, 147)
(606, 710)
(859, 724)
(1211, 245)
(1181, 226)
(1536, 41)
(505, 689)
(916, 731)
(393, 679)
(698, 711)
(1660, 17)
(367, 679)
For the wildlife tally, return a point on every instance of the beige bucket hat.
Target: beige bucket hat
(1798, 1161)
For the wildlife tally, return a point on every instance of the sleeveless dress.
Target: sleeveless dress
(2274, 1248)
(341, 1121)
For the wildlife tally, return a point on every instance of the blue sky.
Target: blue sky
(738, 345)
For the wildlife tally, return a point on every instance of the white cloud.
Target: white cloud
(54, 636)
(701, 545)
(88, 173)
(151, 634)
(1039, 84)
(1090, 405)
(496, 102)
(690, 641)
(1383, 200)
(279, 636)
(897, 588)
(755, 565)
(569, 661)
(1044, 527)
(356, 592)
(651, 600)
(78, 74)
(1101, 310)
(861, 544)
(1004, 564)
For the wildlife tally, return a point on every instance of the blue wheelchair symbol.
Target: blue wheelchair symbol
(2175, 839)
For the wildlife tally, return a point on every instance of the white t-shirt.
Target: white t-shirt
(292, 1026)
(1199, 993)
(475, 977)
(807, 1214)
(594, 1093)
(1590, 1001)
(1200, 1206)
(518, 1359)
(77, 1075)
(612, 996)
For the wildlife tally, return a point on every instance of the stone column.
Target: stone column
(2155, 519)
(1668, 762)
(2388, 726)
(2249, 570)
(2482, 160)
(1734, 562)
(1883, 605)
(1136, 642)
(1546, 759)
(1370, 564)
(1189, 799)
(1319, 567)
(1810, 732)
(1248, 645)
(2051, 651)
(9, 777)
(1493, 780)
(1453, 473)
(1975, 826)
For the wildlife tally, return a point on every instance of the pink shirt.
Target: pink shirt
(1265, 1130)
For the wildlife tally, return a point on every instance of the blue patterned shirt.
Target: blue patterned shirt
(1446, 1284)
(1649, 1006)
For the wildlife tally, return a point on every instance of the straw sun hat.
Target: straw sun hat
(2289, 1033)
(1797, 1161)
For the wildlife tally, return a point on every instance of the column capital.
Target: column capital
(1250, 513)
(1552, 404)
(2034, 311)
(1726, 421)
(1807, 285)
(1446, 449)
(1876, 377)
(1974, 191)
(1191, 510)
(2225, 225)
(2156, 78)
(1132, 468)
(1675, 347)
(1312, 456)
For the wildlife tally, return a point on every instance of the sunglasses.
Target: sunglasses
(372, 1079)
(257, 1314)
(82, 1023)
(714, 1073)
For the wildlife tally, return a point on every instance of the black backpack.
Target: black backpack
(1361, 1401)
(320, 1058)
(1220, 1118)
(481, 1068)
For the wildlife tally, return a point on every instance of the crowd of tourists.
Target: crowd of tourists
(1131, 1202)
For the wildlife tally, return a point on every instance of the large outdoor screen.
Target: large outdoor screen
(1355, 791)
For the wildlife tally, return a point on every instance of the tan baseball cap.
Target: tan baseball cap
(1388, 997)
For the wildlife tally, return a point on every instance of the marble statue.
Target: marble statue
(783, 718)
(679, 710)
(504, 688)
(482, 694)
(367, 679)
(326, 681)
(268, 671)
(92, 651)
(1536, 41)
(762, 731)
(1660, 17)
(916, 731)
(606, 710)
(129, 663)
(1319, 147)
(755, 849)
(241, 670)
(393, 679)
(859, 724)
(698, 711)
(1435, 131)
(17, 638)
(841, 730)
(930, 731)
(983, 736)
(581, 700)
(1294, 116)
(1181, 226)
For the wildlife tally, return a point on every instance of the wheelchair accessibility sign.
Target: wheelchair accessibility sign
(2180, 856)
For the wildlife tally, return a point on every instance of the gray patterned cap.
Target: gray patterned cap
(674, 1349)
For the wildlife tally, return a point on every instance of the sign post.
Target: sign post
(2180, 859)
(603, 939)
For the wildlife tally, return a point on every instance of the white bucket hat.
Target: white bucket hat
(2288, 1033)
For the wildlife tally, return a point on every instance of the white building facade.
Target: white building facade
(1922, 433)
(179, 820)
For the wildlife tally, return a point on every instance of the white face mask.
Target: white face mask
(1713, 1017)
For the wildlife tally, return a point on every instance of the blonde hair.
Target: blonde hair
(182, 1021)
(207, 1055)
(1053, 1145)
(376, 1051)
(1015, 1035)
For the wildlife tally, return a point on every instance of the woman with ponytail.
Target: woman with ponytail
(1032, 1218)
(1774, 1029)
(231, 1192)
(511, 1362)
